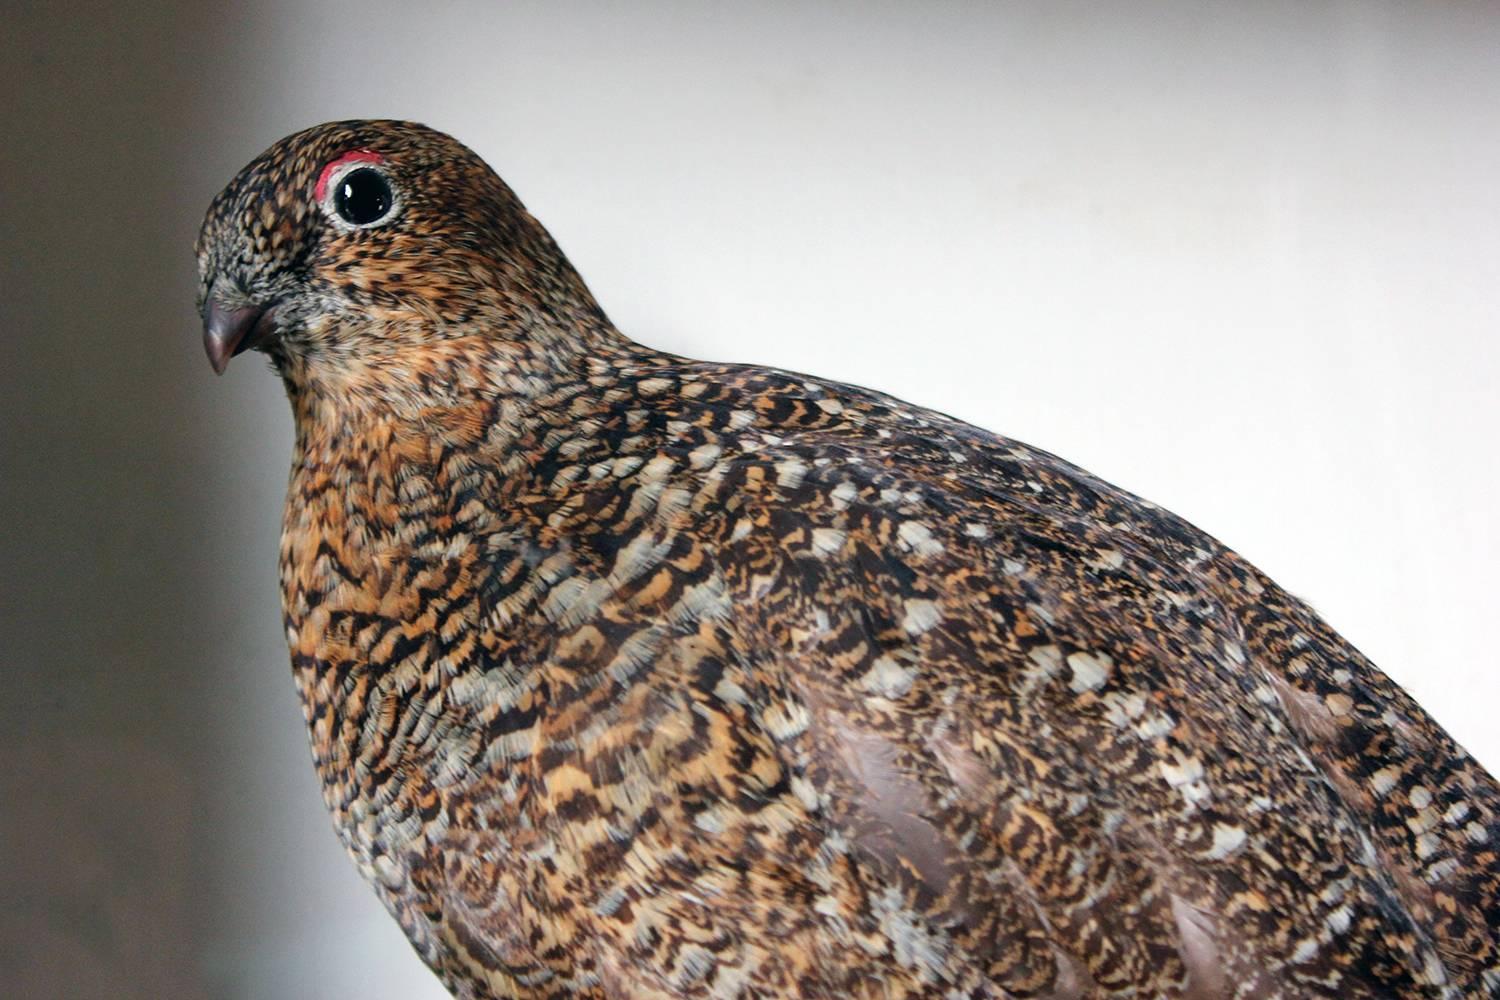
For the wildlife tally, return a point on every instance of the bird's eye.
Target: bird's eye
(363, 197)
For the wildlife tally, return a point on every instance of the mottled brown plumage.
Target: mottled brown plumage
(634, 676)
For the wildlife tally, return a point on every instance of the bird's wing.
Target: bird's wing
(1431, 812)
(1083, 729)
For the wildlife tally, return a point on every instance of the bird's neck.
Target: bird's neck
(402, 366)
(385, 444)
(385, 455)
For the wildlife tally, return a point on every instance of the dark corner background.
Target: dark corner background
(112, 609)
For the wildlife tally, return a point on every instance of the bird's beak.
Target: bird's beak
(227, 332)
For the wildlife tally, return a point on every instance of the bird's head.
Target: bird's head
(360, 247)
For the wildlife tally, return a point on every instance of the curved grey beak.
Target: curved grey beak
(227, 332)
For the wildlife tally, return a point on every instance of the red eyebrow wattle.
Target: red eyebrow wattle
(353, 156)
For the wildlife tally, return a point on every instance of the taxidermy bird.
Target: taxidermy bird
(634, 676)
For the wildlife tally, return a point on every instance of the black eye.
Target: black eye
(363, 196)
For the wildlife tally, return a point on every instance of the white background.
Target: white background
(1243, 260)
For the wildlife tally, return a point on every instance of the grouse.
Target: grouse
(634, 676)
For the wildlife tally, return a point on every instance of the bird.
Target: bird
(630, 675)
